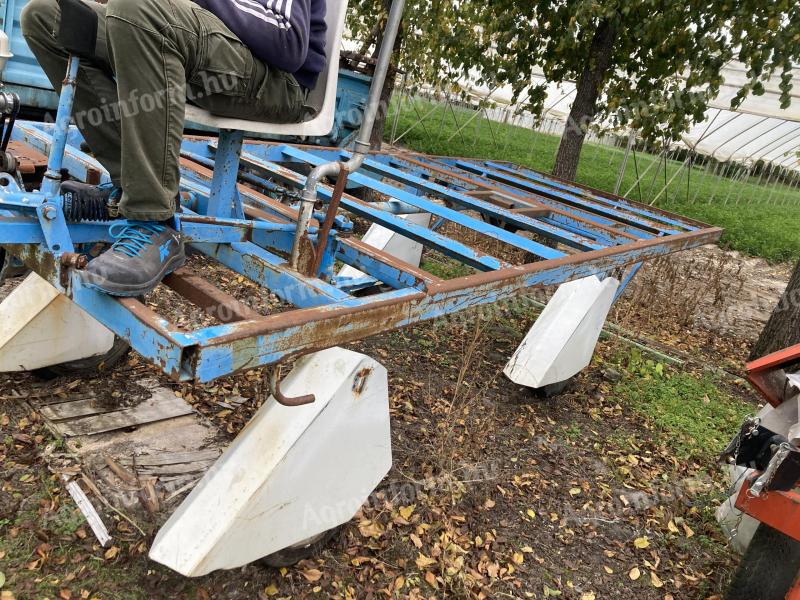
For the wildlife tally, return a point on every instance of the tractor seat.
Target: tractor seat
(322, 97)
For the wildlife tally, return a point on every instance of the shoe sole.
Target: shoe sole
(133, 291)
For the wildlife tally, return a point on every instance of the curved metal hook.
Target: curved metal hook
(275, 388)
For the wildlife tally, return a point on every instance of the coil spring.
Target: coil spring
(88, 208)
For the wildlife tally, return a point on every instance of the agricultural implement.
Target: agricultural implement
(763, 516)
(285, 217)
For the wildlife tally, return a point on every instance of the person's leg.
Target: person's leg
(96, 96)
(153, 44)
(230, 82)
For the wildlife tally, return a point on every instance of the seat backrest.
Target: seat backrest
(324, 93)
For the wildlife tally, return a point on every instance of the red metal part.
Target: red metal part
(779, 510)
(794, 593)
(767, 376)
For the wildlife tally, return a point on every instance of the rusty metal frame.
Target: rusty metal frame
(580, 234)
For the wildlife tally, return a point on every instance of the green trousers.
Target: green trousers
(151, 55)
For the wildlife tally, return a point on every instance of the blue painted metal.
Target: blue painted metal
(591, 195)
(52, 178)
(224, 200)
(454, 216)
(23, 75)
(560, 196)
(589, 224)
(240, 207)
(246, 221)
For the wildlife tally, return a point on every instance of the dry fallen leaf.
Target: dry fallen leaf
(655, 580)
(111, 553)
(424, 562)
(634, 573)
(672, 527)
(369, 529)
(588, 596)
(271, 590)
(407, 511)
(518, 558)
(430, 579)
(641, 543)
(312, 575)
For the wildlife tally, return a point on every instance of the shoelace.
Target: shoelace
(133, 238)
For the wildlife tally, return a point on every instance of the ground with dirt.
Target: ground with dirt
(607, 491)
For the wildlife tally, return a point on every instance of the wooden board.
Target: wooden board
(151, 410)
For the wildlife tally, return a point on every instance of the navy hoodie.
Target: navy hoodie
(287, 34)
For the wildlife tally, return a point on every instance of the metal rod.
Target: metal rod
(666, 186)
(275, 389)
(52, 178)
(330, 215)
(623, 167)
(362, 144)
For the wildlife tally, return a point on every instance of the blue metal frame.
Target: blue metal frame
(239, 208)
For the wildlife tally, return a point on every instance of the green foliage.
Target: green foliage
(428, 34)
(445, 268)
(755, 221)
(508, 42)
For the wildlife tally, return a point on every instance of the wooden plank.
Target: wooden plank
(74, 409)
(157, 408)
(182, 469)
(172, 458)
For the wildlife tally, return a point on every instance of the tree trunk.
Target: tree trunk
(376, 139)
(588, 88)
(783, 328)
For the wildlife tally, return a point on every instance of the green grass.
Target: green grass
(755, 223)
(445, 268)
(696, 413)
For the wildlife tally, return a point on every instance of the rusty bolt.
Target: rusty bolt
(74, 261)
(50, 212)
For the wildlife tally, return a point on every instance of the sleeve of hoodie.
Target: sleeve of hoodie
(276, 31)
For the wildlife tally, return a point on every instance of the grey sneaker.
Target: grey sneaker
(144, 253)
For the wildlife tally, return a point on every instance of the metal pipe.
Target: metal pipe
(362, 145)
(330, 215)
(52, 178)
(623, 167)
